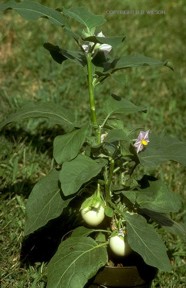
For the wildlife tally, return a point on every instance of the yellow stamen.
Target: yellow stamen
(144, 142)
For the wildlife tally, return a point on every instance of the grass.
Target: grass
(28, 74)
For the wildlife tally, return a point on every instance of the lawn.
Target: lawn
(154, 28)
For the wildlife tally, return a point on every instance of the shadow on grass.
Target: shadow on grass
(40, 147)
(41, 141)
(21, 188)
(42, 244)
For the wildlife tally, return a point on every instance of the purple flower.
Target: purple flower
(142, 140)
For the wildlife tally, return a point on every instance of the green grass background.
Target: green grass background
(27, 73)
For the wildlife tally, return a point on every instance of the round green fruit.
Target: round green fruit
(119, 245)
(93, 216)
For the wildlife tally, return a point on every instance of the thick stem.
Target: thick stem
(92, 98)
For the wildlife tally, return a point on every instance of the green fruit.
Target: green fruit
(119, 245)
(93, 216)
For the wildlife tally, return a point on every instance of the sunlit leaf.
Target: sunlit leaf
(51, 111)
(44, 202)
(76, 261)
(163, 148)
(31, 10)
(113, 41)
(165, 221)
(132, 61)
(77, 172)
(83, 16)
(144, 239)
(158, 197)
(67, 146)
(116, 135)
(118, 105)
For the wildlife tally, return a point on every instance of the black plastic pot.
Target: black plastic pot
(139, 275)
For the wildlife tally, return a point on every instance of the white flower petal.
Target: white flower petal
(105, 47)
(85, 47)
(146, 136)
(100, 34)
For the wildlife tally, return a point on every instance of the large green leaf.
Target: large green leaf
(118, 105)
(163, 148)
(165, 221)
(31, 10)
(158, 198)
(77, 172)
(67, 146)
(44, 202)
(144, 239)
(76, 261)
(51, 111)
(83, 16)
(132, 61)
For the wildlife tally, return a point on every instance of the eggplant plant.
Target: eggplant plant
(104, 165)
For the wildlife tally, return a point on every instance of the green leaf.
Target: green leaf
(160, 218)
(163, 148)
(109, 211)
(32, 10)
(66, 147)
(82, 231)
(51, 111)
(169, 224)
(132, 61)
(44, 202)
(76, 261)
(144, 239)
(77, 172)
(116, 135)
(158, 198)
(83, 16)
(131, 195)
(113, 41)
(118, 105)
(177, 229)
(60, 55)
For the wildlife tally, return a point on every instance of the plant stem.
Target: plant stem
(108, 179)
(92, 98)
(111, 170)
